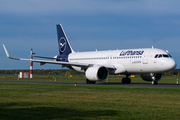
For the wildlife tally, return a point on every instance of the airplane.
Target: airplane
(98, 65)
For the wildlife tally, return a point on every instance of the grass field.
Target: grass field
(55, 101)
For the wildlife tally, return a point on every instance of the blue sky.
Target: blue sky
(89, 25)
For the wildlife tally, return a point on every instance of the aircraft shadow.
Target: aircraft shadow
(24, 111)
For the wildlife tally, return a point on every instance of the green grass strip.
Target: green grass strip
(51, 101)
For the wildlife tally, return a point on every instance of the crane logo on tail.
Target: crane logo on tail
(62, 44)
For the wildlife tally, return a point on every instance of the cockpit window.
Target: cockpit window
(162, 55)
(156, 56)
(169, 55)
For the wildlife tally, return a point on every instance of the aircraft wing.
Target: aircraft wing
(58, 59)
(42, 62)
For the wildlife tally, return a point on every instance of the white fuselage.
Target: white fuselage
(126, 61)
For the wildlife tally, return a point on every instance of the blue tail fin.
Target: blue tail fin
(63, 43)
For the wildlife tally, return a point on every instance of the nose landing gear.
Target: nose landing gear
(154, 82)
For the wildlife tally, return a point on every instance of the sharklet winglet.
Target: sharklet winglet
(7, 54)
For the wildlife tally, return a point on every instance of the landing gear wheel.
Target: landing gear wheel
(126, 81)
(154, 82)
(93, 82)
(90, 82)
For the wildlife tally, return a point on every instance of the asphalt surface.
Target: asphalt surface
(98, 84)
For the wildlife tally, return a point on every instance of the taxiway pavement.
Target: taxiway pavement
(97, 84)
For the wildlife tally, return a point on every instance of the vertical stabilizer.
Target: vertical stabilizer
(63, 43)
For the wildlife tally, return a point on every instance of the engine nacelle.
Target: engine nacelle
(152, 76)
(97, 73)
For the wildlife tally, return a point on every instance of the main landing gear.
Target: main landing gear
(126, 80)
(90, 82)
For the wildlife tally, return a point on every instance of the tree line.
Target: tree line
(42, 72)
(66, 72)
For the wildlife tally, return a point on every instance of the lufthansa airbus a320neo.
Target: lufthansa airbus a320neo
(98, 65)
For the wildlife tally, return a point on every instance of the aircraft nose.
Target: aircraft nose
(170, 64)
